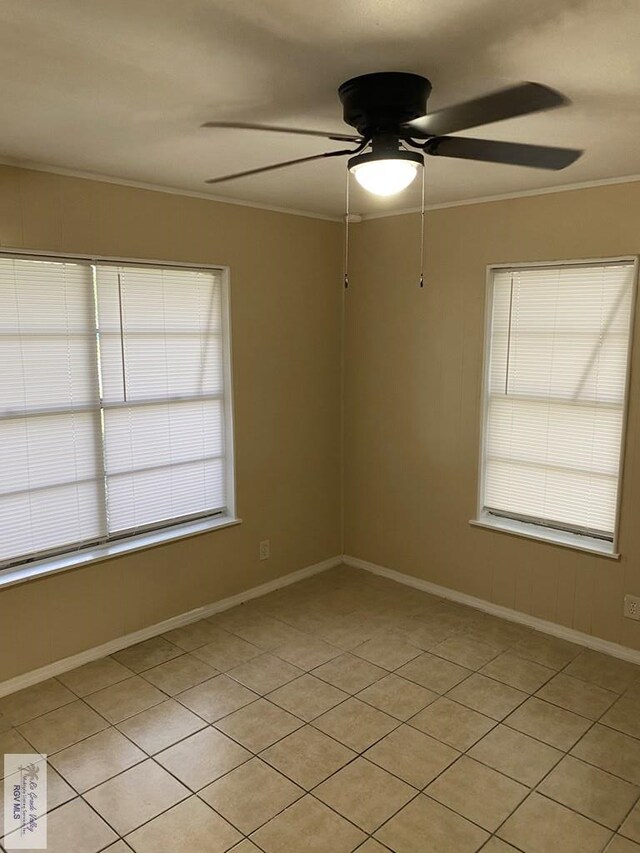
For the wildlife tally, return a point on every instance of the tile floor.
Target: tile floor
(346, 712)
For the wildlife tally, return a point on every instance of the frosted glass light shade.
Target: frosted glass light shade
(385, 177)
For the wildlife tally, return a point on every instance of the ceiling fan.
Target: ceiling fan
(389, 111)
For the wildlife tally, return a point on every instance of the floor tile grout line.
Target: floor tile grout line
(332, 809)
(310, 790)
(58, 677)
(111, 826)
(567, 753)
(192, 794)
(196, 793)
(532, 789)
(453, 660)
(562, 805)
(477, 671)
(399, 723)
(406, 720)
(44, 713)
(591, 727)
(418, 792)
(423, 793)
(110, 779)
(79, 795)
(431, 650)
(461, 754)
(492, 836)
(544, 743)
(207, 721)
(636, 803)
(189, 795)
(420, 649)
(511, 813)
(242, 745)
(445, 769)
(228, 820)
(309, 723)
(317, 716)
(576, 811)
(148, 755)
(471, 672)
(590, 720)
(375, 681)
(81, 740)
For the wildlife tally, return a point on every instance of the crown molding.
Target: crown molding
(584, 185)
(354, 218)
(33, 166)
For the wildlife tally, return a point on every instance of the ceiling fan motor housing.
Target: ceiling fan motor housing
(379, 103)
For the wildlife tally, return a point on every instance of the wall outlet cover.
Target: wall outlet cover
(632, 607)
(265, 549)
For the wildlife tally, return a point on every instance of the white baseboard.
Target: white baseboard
(66, 664)
(552, 628)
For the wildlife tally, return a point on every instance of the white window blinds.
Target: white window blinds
(50, 467)
(557, 374)
(113, 404)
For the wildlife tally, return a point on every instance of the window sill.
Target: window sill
(96, 553)
(546, 534)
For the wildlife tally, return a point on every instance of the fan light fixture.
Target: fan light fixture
(385, 177)
(385, 173)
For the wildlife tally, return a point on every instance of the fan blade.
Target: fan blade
(511, 153)
(276, 166)
(341, 137)
(505, 103)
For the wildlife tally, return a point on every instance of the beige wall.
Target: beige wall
(285, 298)
(413, 385)
(412, 403)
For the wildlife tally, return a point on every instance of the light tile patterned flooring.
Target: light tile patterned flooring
(346, 712)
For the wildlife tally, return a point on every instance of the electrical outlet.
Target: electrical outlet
(265, 549)
(632, 607)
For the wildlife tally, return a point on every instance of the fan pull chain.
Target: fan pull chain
(346, 235)
(422, 230)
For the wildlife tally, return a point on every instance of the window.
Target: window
(555, 389)
(114, 402)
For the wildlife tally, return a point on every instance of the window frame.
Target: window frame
(512, 524)
(86, 553)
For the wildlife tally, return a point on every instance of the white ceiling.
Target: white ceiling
(120, 87)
